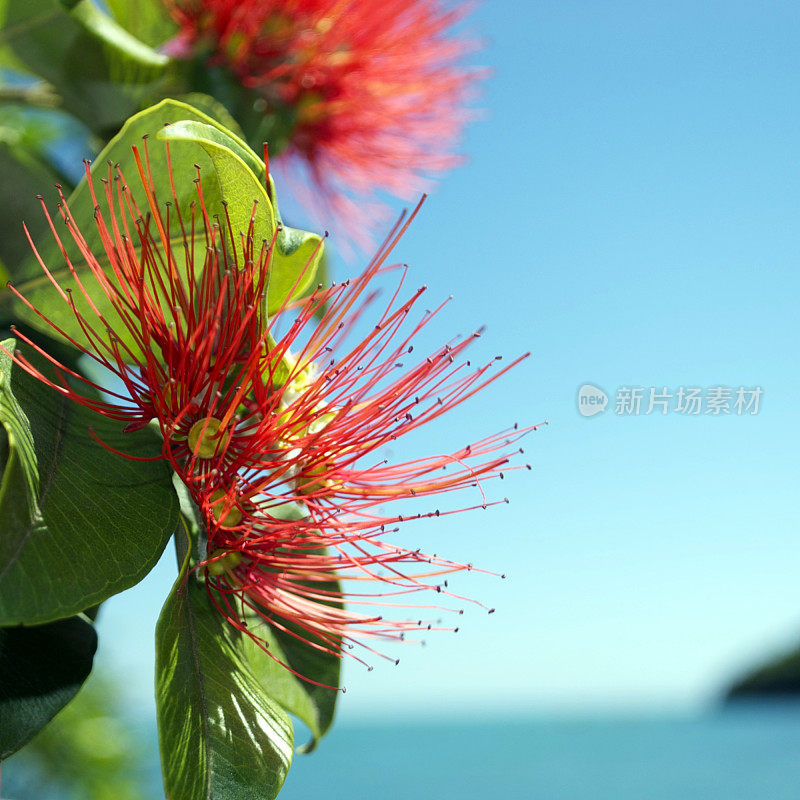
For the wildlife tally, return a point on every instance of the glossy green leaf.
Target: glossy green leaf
(100, 71)
(314, 705)
(221, 737)
(41, 669)
(212, 107)
(241, 177)
(239, 187)
(190, 535)
(295, 266)
(80, 523)
(147, 20)
(34, 284)
(127, 47)
(227, 169)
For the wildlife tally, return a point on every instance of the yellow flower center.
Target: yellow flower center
(225, 512)
(223, 562)
(206, 436)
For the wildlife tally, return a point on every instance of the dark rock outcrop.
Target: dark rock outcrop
(777, 678)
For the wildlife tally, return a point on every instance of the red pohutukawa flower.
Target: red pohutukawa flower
(180, 336)
(279, 429)
(298, 498)
(371, 94)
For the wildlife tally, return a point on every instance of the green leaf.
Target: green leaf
(220, 736)
(147, 20)
(238, 185)
(101, 72)
(127, 48)
(295, 268)
(41, 669)
(25, 174)
(212, 107)
(80, 523)
(240, 174)
(229, 172)
(314, 705)
(190, 535)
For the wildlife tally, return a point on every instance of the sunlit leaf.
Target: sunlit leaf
(241, 179)
(220, 735)
(310, 702)
(147, 20)
(229, 172)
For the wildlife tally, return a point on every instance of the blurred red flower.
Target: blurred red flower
(371, 94)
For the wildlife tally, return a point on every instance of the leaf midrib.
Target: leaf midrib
(191, 624)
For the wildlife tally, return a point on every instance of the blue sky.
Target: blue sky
(629, 213)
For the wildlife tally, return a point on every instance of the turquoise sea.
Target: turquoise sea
(738, 754)
(741, 753)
